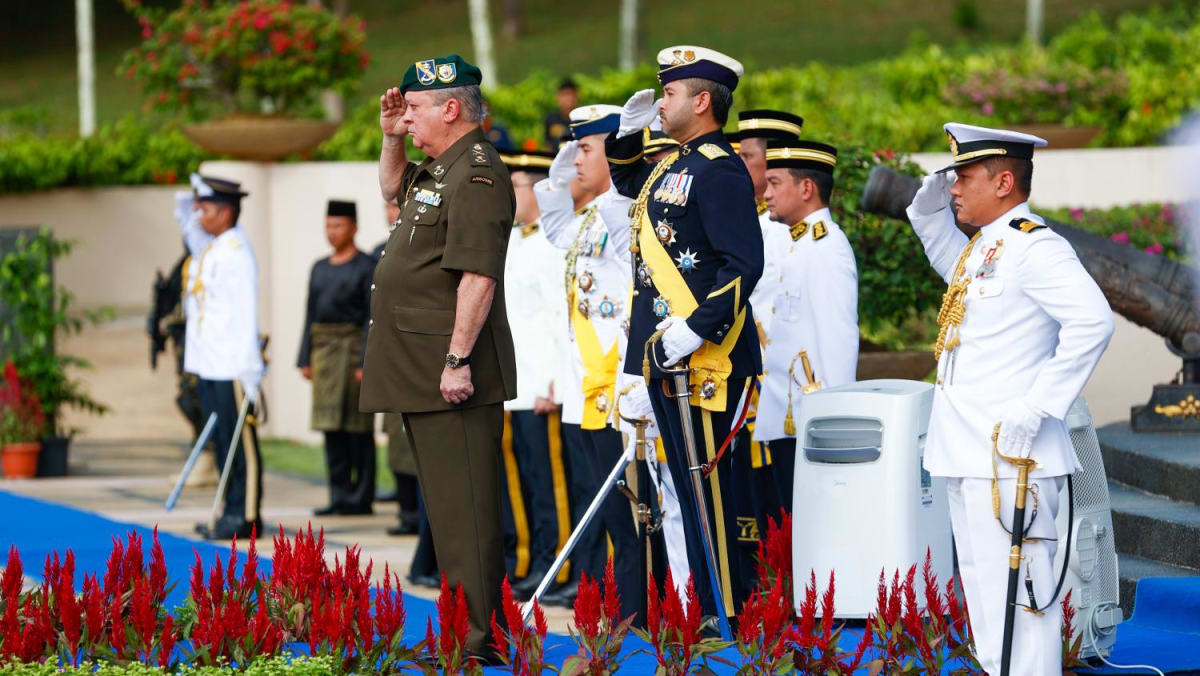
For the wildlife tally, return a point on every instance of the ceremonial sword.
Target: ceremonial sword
(191, 461)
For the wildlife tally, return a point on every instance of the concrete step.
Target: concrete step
(1134, 568)
(1153, 527)
(1163, 463)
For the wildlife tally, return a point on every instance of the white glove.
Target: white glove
(656, 124)
(934, 194)
(678, 340)
(636, 404)
(185, 204)
(637, 114)
(562, 169)
(1018, 426)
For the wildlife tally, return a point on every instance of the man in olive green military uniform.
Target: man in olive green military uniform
(439, 349)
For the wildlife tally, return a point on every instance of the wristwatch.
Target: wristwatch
(454, 361)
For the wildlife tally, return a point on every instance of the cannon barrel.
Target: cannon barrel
(1151, 291)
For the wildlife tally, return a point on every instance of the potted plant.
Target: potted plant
(36, 313)
(1066, 103)
(248, 75)
(21, 425)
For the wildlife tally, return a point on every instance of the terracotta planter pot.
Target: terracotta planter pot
(20, 460)
(1060, 136)
(259, 138)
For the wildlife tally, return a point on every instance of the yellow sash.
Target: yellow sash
(711, 361)
(600, 367)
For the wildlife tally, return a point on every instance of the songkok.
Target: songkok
(534, 160)
(342, 208)
(801, 154)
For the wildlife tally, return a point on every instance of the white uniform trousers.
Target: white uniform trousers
(983, 548)
(672, 523)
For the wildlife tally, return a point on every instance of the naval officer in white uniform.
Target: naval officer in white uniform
(1022, 328)
(220, 300)
(815, 308)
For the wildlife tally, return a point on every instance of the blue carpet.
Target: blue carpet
(1164, 630)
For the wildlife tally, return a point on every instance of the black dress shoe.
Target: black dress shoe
(227, 529)
(403, 528)
(562, 596)
(523, 589)
(327, 510)
(431, 581)
(359, 510)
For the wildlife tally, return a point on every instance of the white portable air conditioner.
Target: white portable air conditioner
(1092, 572)
(862, 500)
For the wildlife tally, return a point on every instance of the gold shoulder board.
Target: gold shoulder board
(1025, 225)
(712, 151)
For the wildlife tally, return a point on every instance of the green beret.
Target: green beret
(441, 73)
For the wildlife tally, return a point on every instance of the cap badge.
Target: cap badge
(425, 72)
(446, 72)
(953, 143)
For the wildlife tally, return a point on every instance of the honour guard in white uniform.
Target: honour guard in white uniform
(813, 336)
(221, 304)
(537, 510)
(598, 279)
(1022, 328)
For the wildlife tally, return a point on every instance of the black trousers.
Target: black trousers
(424, 561)
(350, 459)
(537, 511)
(243, 493)
(590, 549)
(783, 456)
(728, 495)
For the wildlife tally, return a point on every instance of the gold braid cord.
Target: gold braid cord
(639, 205)
(954, 310)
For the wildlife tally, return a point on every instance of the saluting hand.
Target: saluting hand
(391, 113)
(934, 194)
(562, 169)
(456, 384)
(637, 114)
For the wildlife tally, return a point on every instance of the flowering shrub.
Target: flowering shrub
(254, 56)
(1029, 90)
(1153, 228)
(21, 417)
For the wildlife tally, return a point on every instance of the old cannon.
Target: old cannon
(1151, 291)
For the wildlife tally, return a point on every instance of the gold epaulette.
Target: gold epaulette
(1025, 225)
(712, 151)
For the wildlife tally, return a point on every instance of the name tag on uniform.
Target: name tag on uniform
(674, 189)
(429, 197)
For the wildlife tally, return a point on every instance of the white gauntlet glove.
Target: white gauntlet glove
(562, 169)
(637, 114)
(1018, 426)
(934, 194)
(678, 340)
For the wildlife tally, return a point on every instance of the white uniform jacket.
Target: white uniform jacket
(220, 301)
(775, 248)
(1034, 328)
(533, 292)
(815, 310)
(597, 292)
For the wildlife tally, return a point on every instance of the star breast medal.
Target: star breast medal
(607, 307)
(665, 233)
(687, 261)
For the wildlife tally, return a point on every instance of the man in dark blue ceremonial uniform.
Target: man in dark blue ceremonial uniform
(697, 255)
